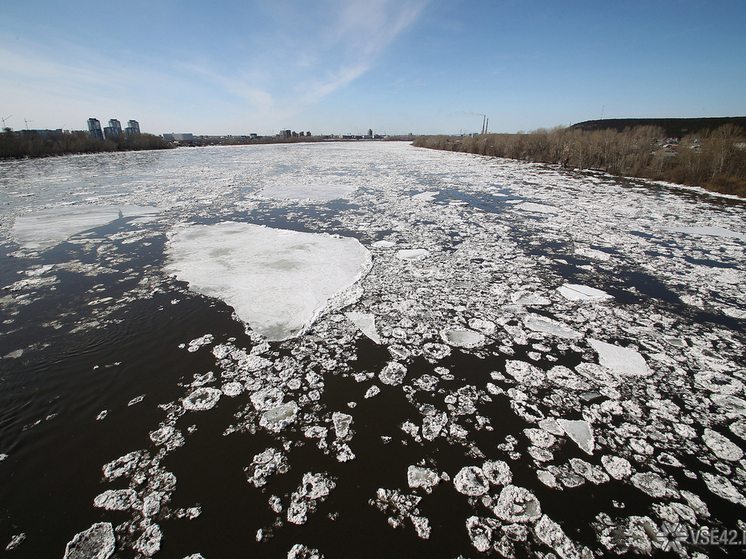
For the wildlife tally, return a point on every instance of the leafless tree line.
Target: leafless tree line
(715, 160)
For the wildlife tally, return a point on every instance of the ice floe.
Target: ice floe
(97, 542)
(580, 432)
(202, 399)
(278, 281)
(575, 292)
(45, 228)
(622, 360)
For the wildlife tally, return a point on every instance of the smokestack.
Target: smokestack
(484, 117)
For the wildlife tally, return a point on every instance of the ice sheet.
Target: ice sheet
(46, 228)
(710, 231)
(278, 281)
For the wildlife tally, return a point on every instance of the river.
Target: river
(366, 350)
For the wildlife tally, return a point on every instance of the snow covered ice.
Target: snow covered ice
(453, 347)
(278, 281)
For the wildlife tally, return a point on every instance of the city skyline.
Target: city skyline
(336, 66)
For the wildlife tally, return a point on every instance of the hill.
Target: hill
(672, 127)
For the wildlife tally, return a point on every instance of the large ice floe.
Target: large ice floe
(278, 281)
(43, 229)
(457, 357)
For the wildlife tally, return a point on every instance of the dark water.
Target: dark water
(102, 325)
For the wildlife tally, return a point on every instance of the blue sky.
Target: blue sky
(396, 66)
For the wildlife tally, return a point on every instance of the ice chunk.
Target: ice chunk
(575, 292)
(433, 424)
(383, 244)
(372, 391)
(313, 488)
(149, 542)
(548, 326)
(393, 373)
(422, 477)
(276, 419)
(623, 360)
(525, 373)
(497, 472)
(278, 281)
(536, 208)
(300, 551)
(517, 505)
(580, 432)
(654, 485)
(319, 192)
(462, 337)
(15, 541)
(618, 467)
(428, 196)
(202, 399)
(480, 533)
(46, 228)
(412, 254)
(366, 322)
(718, 383)
(342, 422)
(712, 231)
(98, 542)
(264, 465)
(591, 472)
(116, 499)
(550, 533)
(722, 487)
(723, 447)
(470, 480)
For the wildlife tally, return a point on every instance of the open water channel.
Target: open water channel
(366, 350)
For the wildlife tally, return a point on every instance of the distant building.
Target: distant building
(286, 134)
(114, 130)
(168, 137)
(133, 128)
(187, 137)
(94, 128)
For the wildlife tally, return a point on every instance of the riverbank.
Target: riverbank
(17, 145)
(712, 160)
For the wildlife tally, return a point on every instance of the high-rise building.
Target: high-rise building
(133, 128)
(116, 126)
(94, 128)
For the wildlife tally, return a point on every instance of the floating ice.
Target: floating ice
(202, 399)
(525, 373)
(550, 533)
(575, 292)
(708, 231)
(428, 196)
(383, 244)
(724, 488)
(718, 382)
(548, 326)
(312, 489)
(497, 472)
(98, 542)
(433, 424)
(46, 228)
(623, 360)
(276, 419)
(412, 254)
(393, 373)
(367, 324)
(654, 485)
(116, 499)
(402, 507)
(264, 465)
(300, 551)
(149, 542)
(580, 432)
(723, 447)
(342, 422)
(320, 192)
(537, 208)
(591, 472)
(278, 281)
(618, 467)
(470, 480)
(462, 337)
(480, 533)
(15, 541)
(422, 477)
(372, 391)
(517, 505)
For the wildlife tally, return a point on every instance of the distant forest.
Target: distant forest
(30, 144)
(713, 158)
